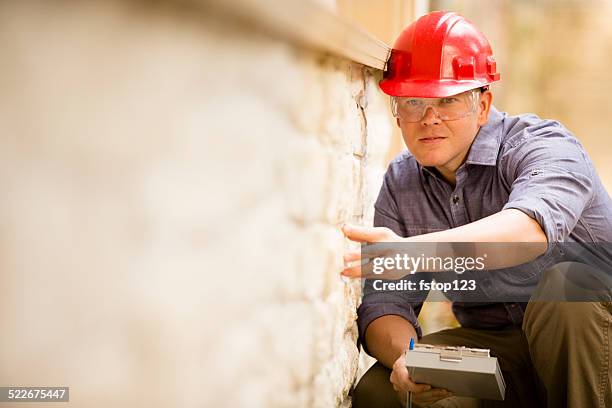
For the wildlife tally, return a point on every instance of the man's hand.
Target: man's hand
(364, 235)
(422, 394)
(369, 234)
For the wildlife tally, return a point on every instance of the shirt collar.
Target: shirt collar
(485, 147)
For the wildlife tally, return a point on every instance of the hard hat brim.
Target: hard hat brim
(428, 88)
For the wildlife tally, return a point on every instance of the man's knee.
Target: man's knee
(374, 389)
(545, 319)
(574, 282)
(568, 299)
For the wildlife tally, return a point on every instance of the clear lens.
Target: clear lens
(450, 108)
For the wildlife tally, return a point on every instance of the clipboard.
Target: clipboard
(466, 372)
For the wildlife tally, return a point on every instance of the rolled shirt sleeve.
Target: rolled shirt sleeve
(551, 178)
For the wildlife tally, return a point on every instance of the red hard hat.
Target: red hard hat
(440, 54)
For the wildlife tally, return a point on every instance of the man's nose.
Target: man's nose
(430, 117)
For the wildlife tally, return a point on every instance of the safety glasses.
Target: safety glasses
(449, 108)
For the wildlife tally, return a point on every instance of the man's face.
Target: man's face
(444, 144)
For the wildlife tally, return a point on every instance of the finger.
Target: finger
(369, 252)
(368, 271)
(351, 232)
(352, 257)
(353, 272)
(399, 375)
(367, 268)
(362, 269)
(364, 234)
(431, 396)
(417, 388)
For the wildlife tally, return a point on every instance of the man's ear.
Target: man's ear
(484, 106)
(397, 121)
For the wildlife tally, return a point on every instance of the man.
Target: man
(474, 174)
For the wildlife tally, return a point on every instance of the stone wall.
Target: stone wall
(174, 182)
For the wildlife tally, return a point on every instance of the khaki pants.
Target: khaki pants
(560, 358)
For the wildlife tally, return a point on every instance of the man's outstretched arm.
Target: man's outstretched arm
(506, 226)
(509, 225)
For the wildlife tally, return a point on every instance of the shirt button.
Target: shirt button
(455, 199)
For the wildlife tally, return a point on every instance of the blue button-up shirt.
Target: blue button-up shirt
(523, 162)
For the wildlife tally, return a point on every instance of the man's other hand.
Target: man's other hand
(422, 394)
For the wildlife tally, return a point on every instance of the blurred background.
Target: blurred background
(175, 173)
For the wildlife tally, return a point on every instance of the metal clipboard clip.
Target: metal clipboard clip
(452, 353)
